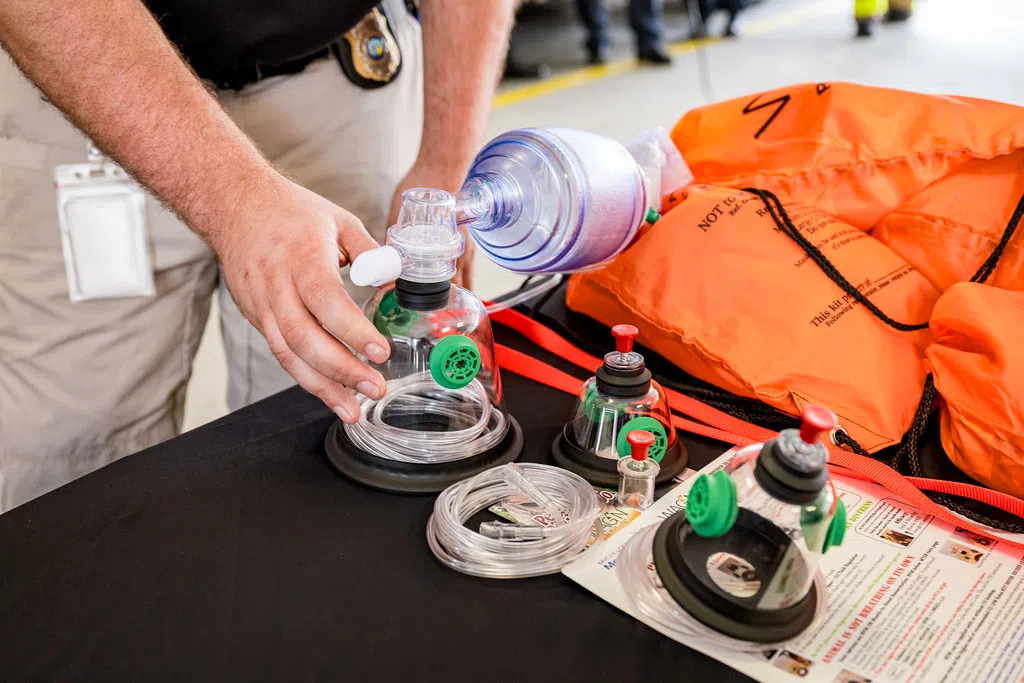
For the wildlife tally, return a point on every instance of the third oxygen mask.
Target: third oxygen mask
(619, 399)
(738, 567)
(443, 417)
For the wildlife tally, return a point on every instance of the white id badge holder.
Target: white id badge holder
(103, 231)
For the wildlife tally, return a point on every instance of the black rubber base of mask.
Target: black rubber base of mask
(604, 472)
(404, 477)
(680, 558)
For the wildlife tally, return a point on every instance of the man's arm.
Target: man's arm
(108, 66)
(464, 45)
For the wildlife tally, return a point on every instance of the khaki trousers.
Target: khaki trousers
(84, 384)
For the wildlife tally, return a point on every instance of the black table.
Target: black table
(235, 552)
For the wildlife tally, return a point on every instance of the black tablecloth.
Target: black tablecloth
(235, 552)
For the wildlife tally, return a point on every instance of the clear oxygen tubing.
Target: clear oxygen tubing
(519, 551)
(418, 395)
(651, 600)
(526, 293)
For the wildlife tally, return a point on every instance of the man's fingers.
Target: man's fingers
(353, 239)
(322, 352)
(334, 395)
(323, 294)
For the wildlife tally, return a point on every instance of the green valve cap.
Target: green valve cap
(647, 424)
(454, 361)
(391, 318)
(652, 216)
(836, 528)
(711, 507)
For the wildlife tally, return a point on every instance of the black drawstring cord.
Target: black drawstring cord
(909, 447)
(783, 222)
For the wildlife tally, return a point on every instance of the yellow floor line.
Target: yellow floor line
(588, 74)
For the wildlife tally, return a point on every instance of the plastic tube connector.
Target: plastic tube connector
(512, 475)
(376, 267)
(513, 532)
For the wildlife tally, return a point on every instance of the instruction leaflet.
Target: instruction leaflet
(911, 598)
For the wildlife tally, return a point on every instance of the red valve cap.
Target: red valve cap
(624, 336)
(640, 441)
(815, 421)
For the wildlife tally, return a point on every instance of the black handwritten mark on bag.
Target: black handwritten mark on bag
(750, 108)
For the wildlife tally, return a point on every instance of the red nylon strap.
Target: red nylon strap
(531, 368)
(715, 424)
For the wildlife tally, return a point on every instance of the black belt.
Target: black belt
(236, 79)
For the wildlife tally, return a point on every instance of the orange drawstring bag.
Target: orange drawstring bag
(864, 205)
(949, 228)
(977, 364)
(856, 152)
(719, 290)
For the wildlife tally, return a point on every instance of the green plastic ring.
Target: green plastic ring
(648, 424)
(391, 318)
(711, 507)
(454, 361)
(836, 528)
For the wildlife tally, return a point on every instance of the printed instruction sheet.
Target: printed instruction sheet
(912, 598)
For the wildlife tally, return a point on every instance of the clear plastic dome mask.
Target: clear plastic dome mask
(443, 416)
(620, 398)
(743, 558)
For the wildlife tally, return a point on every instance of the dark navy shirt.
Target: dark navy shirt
(220, 35)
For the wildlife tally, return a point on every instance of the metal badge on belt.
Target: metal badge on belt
(369, 55)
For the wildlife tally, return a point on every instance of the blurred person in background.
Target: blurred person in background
(514, 66)
(646, 18)
(865, 11)
(709, 7)
(280, 132)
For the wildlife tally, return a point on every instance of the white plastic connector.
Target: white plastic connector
(376, 267)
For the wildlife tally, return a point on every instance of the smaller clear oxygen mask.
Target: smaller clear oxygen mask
(621, 398)
(443, 416)
(742, 558)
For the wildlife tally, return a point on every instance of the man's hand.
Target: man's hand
(438, 178)
(280, 254)
(109, 67)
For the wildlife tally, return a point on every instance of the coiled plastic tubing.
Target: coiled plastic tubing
(512, 551)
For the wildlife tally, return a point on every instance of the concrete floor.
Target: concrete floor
(950, 46)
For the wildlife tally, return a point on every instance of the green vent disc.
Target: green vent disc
(648, 424)
(711, 507)
(454, 361)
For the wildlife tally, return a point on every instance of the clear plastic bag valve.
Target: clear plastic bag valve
(551, 200)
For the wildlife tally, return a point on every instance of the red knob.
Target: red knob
(640, 441)
(815, 421)
(624, 336)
